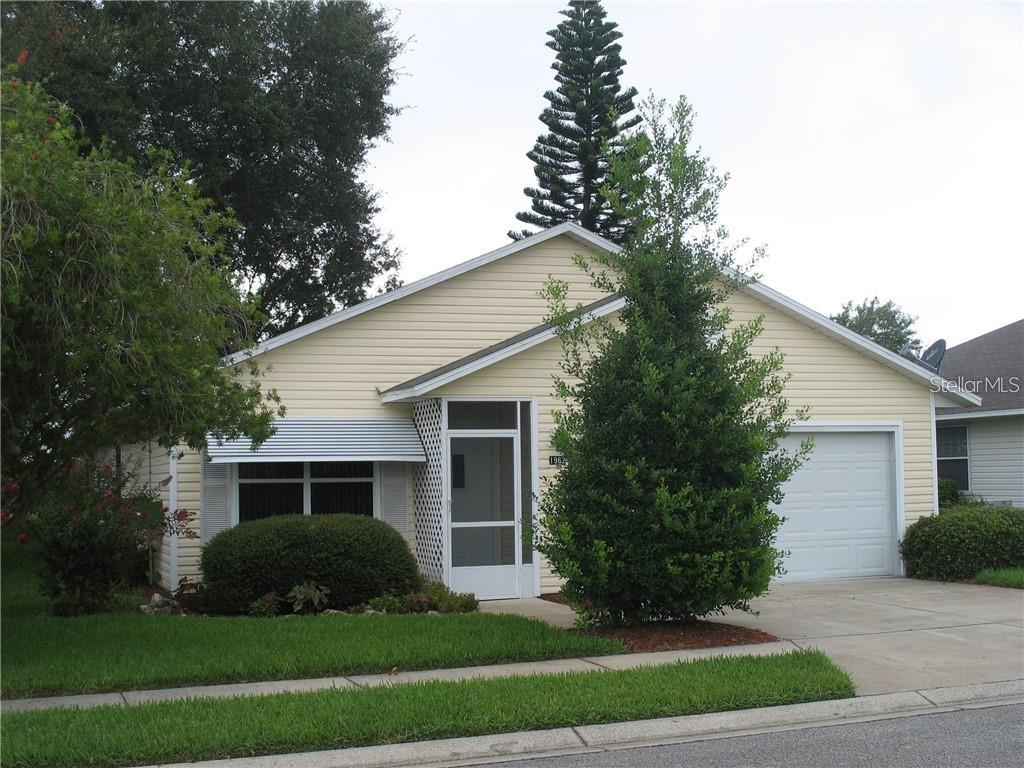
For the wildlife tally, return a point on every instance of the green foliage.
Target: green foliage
(444, 600)
(671, 426)
(274, 105)
(949, 493)
(308, 597)
(200, 729)
(355, 558)
(92, 526)
(265, 607)
(1012, 578)
(885, 323)
(432, 596)
(117, 303)
(961, 541)
(585, 119)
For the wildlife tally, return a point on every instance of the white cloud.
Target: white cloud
(875, 148)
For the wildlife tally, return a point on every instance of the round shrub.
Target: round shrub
(356, 558)
(960, 541)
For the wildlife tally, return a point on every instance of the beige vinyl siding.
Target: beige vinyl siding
(189, 497)
(151, 464)
(837, 383)
(338, 371)
(995, 450)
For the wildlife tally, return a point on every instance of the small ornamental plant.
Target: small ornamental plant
(92, 528)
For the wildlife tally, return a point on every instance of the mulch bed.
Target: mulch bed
(676, 635)
(680, 635)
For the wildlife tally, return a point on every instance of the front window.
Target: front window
(953, 456)
(266, 489)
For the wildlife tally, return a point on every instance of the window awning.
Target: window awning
(326, 439)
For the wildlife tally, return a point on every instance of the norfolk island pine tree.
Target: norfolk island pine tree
(586, 119)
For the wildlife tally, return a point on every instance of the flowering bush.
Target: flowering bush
(91, 527)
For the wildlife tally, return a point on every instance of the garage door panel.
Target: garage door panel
(839, 508)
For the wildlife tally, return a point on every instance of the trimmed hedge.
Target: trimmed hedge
(960, 541)
(357, 558)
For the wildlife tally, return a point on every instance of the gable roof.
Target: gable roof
(983, 361)
(509, 347)
(438, 377)
(569, 229)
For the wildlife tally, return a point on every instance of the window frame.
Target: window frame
(307, 482)
(965, 458)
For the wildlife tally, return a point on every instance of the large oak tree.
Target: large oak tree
(274, 105)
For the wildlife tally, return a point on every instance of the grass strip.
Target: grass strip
(205, 729)
(126, 650)
(1002, 577)
(123, 651)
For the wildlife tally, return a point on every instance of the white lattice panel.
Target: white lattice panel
(428, 491)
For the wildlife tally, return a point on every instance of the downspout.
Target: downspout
(173, 505)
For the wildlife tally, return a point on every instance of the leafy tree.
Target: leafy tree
(274, 105)
(586, 117)
(885, 323)
(116, 303)
(671, 425)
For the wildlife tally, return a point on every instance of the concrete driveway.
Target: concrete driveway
(900, 634)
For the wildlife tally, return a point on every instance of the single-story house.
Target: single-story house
(430, 407)
(981, 447)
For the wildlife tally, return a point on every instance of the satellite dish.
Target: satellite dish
(932, 356)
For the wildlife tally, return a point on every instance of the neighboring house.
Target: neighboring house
(981, 447)
(431, 407)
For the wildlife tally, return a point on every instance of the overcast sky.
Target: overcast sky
(874, 148)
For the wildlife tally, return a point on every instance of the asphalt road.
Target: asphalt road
(977, 738)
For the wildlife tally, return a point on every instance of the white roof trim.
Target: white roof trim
(771, 297)
(568, 229)
(424, 387)
(978, 414)
(853, 339)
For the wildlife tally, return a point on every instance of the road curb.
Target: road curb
(613, 736)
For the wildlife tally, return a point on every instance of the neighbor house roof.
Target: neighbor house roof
(540, 333)
(326, 439)
(992, 365)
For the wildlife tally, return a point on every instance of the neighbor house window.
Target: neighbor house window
(266, 489)
(952, 456)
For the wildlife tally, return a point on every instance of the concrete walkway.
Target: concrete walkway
(900, 634)
(889, 634)
(588, 664)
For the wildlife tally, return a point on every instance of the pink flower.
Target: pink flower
(5, 514)
(108, 495)
(106, 469)
(23, 537)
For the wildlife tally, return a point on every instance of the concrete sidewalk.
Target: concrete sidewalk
(588, 664)
(614, 736)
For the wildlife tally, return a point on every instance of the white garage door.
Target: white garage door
(839, 508)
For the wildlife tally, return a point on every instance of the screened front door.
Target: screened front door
(485, 513)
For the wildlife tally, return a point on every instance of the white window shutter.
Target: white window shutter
(216, 511)
(394, 500)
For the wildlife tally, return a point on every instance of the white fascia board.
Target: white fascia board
(979, 414)
(585, 237)
(569, 229)
(425, 387)
(853, 339)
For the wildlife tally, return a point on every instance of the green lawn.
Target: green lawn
(128, 650)
(205, 729)
(1002, 577)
